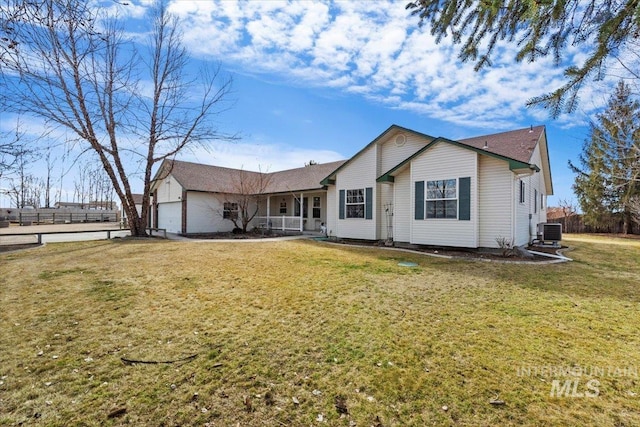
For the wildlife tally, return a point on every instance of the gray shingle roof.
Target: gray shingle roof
(306, 178)
(516, 144)
(137, 198)
(217, 179)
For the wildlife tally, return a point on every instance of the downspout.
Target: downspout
(184, 211)
(513, 210)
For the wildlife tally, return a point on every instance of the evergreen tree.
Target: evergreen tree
(609, 177)
(600, 29)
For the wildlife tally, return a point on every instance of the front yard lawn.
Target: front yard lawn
(302, 333)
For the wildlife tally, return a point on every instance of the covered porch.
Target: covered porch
(299, 211)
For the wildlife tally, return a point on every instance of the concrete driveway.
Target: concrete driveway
(68, 232)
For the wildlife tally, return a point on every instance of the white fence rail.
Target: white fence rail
(284, 223)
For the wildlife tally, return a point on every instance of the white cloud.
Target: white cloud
(375, 49)
(258, 156)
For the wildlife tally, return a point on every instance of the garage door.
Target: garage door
(170, 217)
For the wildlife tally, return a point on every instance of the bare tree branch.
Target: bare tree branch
(73, 66)
(245, 197)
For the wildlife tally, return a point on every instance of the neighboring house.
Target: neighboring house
(195, 198)
(555, 213)
(418, 189)
(404, 186)
(137, 200)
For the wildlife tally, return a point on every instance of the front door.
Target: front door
(296, 210)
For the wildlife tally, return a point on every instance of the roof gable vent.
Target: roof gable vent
(400, 140)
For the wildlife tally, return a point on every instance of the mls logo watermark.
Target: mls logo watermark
(576, 381)
(574, 388)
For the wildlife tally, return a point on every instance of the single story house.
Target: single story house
(195, 198)
(404, 186)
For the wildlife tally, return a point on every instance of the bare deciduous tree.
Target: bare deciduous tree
(247, 194)
(25, 188)
(634, 207)
(12, 146)
(92, 187)
(72, 66)
(569, 211)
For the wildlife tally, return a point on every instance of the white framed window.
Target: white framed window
(442, 199)
(230, 210)
(354, 203)
(522, 192)
(316, 207)
(283, 208)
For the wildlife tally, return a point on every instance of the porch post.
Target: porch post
(268, 209)
(301, 212)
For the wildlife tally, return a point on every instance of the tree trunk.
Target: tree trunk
(137, 225)
(626, 222)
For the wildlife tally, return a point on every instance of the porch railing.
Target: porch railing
(284, 223)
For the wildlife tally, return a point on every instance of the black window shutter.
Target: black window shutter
(464, 195)
(368, 203)
(419, 208)
(341, 205)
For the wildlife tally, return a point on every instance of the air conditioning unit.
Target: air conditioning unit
(550, 232)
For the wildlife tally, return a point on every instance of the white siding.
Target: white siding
(332, 210)
(204, 214)
(402, 212)
(169, 200)
(170, 217)
(538, 183)
(528, 214)
(391, 155)
(360, 173)
(494, 194)
(169, 190)
(446, 161)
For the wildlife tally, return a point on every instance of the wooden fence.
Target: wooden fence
(575, 224)
(58, 216)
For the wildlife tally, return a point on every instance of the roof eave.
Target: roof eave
(330, 179)
(521, 167)
(513, 164)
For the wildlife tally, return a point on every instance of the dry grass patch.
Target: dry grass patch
(298, 333)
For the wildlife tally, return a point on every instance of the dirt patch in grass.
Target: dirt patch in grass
(257, 234)
(300, 333)
(11, 248)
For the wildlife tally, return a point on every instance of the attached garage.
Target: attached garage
(170, 216)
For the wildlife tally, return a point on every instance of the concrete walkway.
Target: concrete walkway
(87, 231)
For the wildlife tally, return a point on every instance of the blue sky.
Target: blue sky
(320, 80)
